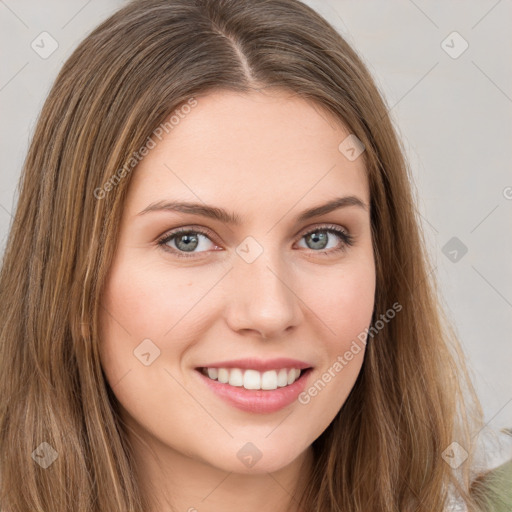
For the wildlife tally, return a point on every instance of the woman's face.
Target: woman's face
(250, 300)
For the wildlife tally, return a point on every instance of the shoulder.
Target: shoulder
(495, 488)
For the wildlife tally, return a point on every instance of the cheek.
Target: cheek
(139, 307)
(136, 306)
(156, 303)
(344, 306)
(343, 302)
(149, 302)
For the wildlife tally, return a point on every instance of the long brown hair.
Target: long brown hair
(412, 399)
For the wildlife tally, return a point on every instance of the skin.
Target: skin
(266, 156)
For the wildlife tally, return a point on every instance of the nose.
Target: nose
(263, 297)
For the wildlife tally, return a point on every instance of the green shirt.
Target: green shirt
(495, 489)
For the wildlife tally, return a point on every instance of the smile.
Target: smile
(256, 391)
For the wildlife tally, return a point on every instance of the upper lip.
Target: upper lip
(259, 364)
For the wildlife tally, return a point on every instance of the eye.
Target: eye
(183, 242)
(318, 239)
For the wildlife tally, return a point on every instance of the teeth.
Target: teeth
(282, 378)
(292, 378)
(253, 379)
(223, 375)
(269, 380)
(236, 377)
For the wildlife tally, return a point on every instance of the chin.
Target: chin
(249, 458)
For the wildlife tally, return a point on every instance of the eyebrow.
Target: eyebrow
(222, 215)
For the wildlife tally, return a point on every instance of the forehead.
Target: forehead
(258, 148)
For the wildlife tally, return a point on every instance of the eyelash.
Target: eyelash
(347, 240)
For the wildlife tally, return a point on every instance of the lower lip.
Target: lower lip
(257, 400)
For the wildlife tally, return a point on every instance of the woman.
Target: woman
(216, 292)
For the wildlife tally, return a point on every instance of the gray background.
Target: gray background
(452, 109)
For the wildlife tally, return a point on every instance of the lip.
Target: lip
(257, 400)
(259, 364)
